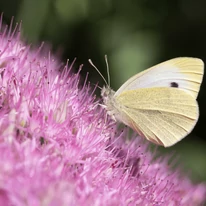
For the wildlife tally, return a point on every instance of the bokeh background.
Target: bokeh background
(135, 34)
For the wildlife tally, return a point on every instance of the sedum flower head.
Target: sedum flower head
(58, 148)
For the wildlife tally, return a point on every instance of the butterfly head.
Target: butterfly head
(107, 94)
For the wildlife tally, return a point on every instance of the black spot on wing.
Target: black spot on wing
(174, 84)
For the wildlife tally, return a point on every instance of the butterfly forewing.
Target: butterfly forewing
(183, 72)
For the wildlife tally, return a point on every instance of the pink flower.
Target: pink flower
(56, 147)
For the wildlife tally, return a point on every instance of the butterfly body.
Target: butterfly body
(159, 103)
(114, 108)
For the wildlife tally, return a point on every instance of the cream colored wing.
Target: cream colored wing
(162, 115)
(183, 72)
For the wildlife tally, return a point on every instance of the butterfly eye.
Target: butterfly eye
(174, 84)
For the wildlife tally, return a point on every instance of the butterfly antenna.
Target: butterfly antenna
(90, 61)
(108, 75)
(97, 86)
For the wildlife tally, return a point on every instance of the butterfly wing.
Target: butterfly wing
(183, 72)
(162, 115)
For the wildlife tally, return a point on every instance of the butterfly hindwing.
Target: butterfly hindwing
(162, 115)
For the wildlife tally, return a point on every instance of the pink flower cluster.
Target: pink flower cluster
(58, 148)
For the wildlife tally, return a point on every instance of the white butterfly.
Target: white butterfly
(159, 103)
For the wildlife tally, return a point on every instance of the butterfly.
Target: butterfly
(160, 102)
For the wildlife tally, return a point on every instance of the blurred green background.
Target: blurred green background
(135, 34)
